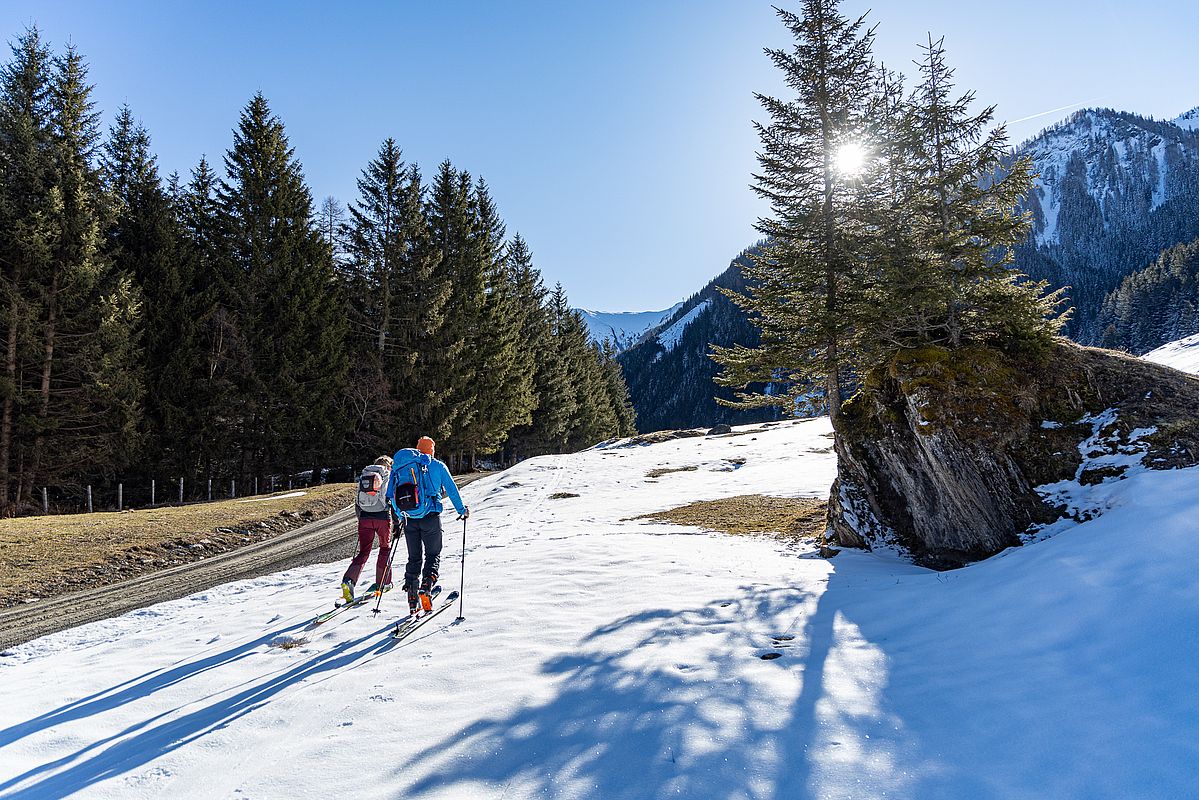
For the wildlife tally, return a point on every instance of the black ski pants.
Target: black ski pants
(422, 534)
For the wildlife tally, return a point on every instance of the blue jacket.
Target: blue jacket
(433, 479)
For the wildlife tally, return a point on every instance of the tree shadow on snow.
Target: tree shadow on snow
(134, 689)
(152, 738)
(637, 719)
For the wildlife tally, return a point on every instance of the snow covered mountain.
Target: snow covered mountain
(1181, 355)
(1114, 190)
(742, 666)
(1189, 120)
(623, 328)
(669, 373)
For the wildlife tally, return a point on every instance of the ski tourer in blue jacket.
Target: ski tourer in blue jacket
(432, 478)
(422, 524)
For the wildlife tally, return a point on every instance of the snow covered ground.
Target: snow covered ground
(608, 658)
(1182, 354)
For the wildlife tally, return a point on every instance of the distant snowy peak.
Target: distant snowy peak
(624, 328)
(1189, 120)
(1181, 355)
(1125, 164)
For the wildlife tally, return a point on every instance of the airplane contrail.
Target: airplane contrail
(1053, 111)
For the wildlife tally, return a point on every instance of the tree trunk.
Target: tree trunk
(39, 441)
(10, 375)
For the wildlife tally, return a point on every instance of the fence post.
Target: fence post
(45, 501)
(289, 483)
(272, 484)
(255, 485)
(89, 498)
(181, 491)
(120, 497)
(153, 491)
(210, 490)
(233, 487)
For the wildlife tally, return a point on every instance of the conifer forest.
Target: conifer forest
(226, 325)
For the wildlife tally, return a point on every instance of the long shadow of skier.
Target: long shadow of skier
(136, 750)
(133, 689)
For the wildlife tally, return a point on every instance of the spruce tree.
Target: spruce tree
(547, 378)
(28, 237)
(557, 386)
(396, 306)
(971, 192)
(90, 383)
(617, 392)
(803, 284)
(222, 348)
(288, 307)
(898, 304)
(143, 241)
(503, 388)
(449, 379)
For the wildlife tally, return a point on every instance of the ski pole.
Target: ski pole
(462, 580)
(390, 558)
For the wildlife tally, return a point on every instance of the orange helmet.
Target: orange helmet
(425, 445)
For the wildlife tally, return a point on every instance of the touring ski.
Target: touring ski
(405, 627)
(357, 601)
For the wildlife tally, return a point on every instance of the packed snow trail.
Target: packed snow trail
(604, 657)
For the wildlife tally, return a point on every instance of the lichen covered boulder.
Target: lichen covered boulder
(941, 453)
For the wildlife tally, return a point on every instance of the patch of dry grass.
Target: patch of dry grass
(660, 471)
(42, 556)
(787, 517)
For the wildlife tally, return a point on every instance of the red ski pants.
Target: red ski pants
(368, 529)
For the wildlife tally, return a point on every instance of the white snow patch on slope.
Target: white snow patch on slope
(669, 338)
(1182, 354)
(606, 657)
(1159, 161)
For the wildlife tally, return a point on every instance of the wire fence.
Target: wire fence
(159, 493)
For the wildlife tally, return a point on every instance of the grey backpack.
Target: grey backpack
(372, 489)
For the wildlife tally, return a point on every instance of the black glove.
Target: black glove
(466, 513)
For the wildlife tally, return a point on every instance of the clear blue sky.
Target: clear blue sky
(615, 135)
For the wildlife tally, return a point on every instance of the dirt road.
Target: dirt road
(329, 539)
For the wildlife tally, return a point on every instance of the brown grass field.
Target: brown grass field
(788, 518)
(46, 556)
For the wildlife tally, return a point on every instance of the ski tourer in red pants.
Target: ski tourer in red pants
(374, 521)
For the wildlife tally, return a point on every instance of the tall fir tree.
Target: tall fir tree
(88, 365)
(143, 241)
(548, 379)
(617, 391)
(449, 379)
(804, 282)
(396, 306)
(288, 309)
(503, 390)
(557, 387)
(972, 193)
(28, 237)
(222, 350)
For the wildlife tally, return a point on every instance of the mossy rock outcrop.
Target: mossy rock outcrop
(941, 451)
